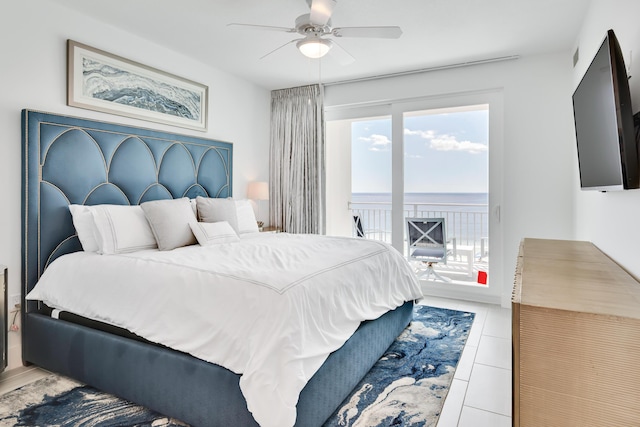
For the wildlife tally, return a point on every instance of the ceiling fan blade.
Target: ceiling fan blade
(340, 54)
(321, 11)
(372, 32)
(262, 27)
(280, 47)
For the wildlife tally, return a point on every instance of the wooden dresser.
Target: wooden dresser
(576, 338)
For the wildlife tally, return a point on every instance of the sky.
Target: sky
(446, 151)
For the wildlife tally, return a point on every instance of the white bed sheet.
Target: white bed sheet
(271, 307)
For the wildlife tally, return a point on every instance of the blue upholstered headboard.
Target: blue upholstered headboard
(67, 160)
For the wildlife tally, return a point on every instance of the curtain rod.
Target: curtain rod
(425, 70)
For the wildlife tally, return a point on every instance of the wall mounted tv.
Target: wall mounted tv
(604, 121)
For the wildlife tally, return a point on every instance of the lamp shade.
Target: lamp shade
(314, 47)
(258, 190)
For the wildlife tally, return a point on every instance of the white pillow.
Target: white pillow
(238, 213)
(213, 233)
(85, 227)
(169, 221)
(215, 210)
(122, 229)
(246, 217)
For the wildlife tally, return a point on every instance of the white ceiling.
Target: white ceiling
(435, 33)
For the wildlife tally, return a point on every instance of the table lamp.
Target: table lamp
(257, 191)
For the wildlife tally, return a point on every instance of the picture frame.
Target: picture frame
(100, 81)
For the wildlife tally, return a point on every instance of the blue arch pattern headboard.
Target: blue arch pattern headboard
(67, 160)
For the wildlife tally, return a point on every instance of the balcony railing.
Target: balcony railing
(468, 224)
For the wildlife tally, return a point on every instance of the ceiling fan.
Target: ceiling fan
(315, 27)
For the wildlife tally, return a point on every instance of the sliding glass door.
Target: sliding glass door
(436, 157)
(371, 178)
(359, 176)
(446, 175)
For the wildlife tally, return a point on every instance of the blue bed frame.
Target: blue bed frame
(70, 160)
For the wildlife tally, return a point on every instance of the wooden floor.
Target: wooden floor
(18, 377)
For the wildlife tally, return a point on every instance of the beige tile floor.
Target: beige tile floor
(480, 395)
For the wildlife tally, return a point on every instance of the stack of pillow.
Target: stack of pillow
(162, 224)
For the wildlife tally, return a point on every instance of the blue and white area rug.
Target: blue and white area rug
(406, 387)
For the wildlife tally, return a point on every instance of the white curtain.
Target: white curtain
(297, 175)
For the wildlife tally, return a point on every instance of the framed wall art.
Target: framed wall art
(100, 81)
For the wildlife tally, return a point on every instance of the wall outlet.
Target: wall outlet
(13, 301)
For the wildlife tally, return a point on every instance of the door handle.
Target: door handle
(497, 212)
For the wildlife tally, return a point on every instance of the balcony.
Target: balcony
(467, 227)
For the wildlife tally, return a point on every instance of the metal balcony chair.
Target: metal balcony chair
(427, 243)
(357, 226)
(368, 233)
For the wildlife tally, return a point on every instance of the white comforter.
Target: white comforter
(270, 307)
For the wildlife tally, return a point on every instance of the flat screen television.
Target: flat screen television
(604, 122)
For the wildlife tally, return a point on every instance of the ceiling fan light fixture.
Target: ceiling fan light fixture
(314, 47)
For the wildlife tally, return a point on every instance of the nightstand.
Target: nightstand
(4, 317)
(270, 230)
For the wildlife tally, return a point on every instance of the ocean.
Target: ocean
(445, 199)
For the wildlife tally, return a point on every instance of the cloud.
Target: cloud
(450, 143)
(447, 142)
(425, 134)
(378, 142)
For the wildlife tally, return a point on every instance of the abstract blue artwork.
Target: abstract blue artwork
(104, 82)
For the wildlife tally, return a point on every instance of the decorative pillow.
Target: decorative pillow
(169, 220)
(213, 233)
(122, 229)
(85, 227)
(238, 213)
(246, 217)
(215, 210)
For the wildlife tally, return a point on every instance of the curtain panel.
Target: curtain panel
(296, 164)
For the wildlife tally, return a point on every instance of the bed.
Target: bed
(71, 161)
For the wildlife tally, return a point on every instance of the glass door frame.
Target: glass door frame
(397, 108)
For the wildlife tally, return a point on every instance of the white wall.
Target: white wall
(33, 38)
(538, 149)
(611, 220)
